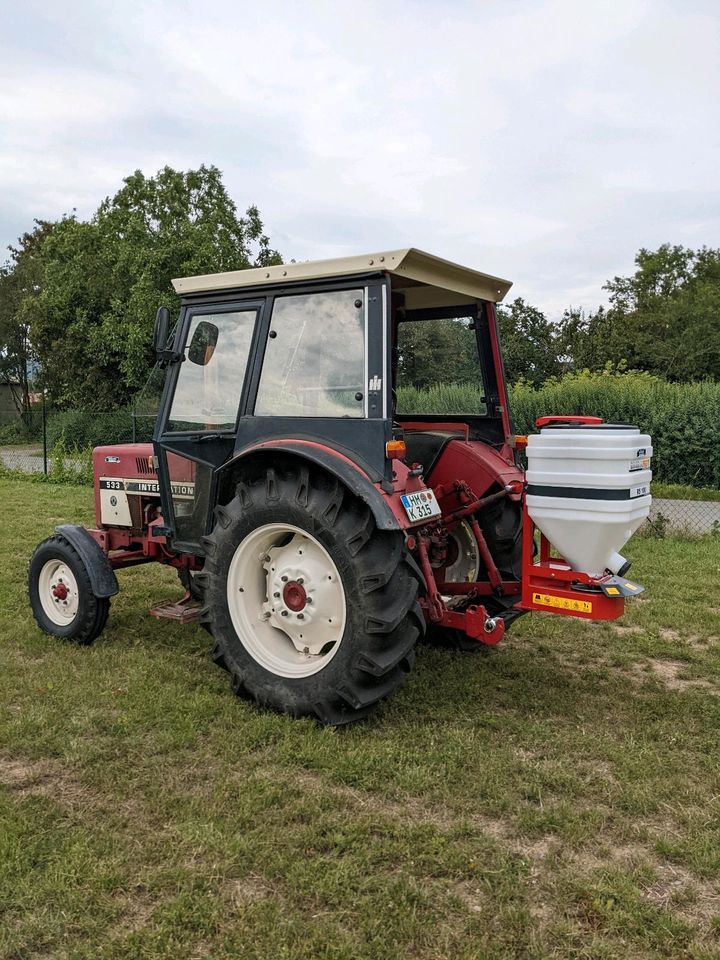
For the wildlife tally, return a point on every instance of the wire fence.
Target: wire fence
(690, 517)
(46, 451)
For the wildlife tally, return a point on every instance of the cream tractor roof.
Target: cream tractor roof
(426, 281)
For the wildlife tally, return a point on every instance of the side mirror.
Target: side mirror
(203, 343)
(162, 329)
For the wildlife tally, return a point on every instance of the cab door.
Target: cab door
(196, 431)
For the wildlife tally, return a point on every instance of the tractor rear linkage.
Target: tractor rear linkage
(474, 620)
(547, 583)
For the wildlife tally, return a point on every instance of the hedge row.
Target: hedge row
(683, 419)
(77, 429)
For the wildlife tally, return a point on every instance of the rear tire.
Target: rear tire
(337, 634)
(61, 597)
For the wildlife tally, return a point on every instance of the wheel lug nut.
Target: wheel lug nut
(276, 594)
(283, 578)
(308, 599)
(300, 580)
(301, 616)
(284, 613)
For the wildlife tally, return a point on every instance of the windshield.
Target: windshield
(438, 368)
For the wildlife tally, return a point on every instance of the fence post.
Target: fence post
(44, 433)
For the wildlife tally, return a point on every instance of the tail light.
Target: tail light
(395, 449)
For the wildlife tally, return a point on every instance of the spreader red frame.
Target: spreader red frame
(550, 584)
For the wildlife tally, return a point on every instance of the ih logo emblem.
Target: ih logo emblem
(375, 384)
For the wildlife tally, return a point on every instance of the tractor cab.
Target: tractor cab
(350, 357)
(334, 476)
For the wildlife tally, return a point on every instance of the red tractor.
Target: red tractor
(334, 472)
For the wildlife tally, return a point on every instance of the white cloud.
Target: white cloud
(545, 141)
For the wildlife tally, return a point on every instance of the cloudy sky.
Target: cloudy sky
(541, 140)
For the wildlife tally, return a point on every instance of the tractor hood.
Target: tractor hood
(426, 281)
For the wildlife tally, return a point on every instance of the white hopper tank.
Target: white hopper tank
(588, 490)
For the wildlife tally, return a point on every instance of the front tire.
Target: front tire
(61, 597)
(314, 610)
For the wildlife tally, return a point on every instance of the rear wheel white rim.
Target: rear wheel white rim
(58, 592)
(286, 600)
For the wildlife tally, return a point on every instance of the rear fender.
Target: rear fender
(479, 465)
(102, 576)
(387, 514)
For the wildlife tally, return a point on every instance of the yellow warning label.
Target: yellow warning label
(612, 591)
(562, 603)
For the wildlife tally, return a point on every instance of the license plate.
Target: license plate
(420, 506)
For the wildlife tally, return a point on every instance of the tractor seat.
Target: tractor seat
(425, 446)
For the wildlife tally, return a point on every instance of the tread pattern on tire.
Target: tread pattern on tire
(93, 611)
(384, 618)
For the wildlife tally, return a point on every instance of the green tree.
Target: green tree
(103, 279)
(665, 318)
(530, 343)
(432, 352)
(20, 283)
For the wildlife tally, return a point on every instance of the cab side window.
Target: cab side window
(314, 362)
(211, 377)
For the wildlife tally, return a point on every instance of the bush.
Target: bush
(77, 429)
(682, 418)
(14, 432)
(70, 466)
(450, 398)
(24, 429)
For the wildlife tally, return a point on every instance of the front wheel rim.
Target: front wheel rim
(58, 592)
(286, 600)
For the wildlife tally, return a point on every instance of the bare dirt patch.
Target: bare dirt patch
(470, 896)
(623, 630)
(50, 778)
(408, 809)
(668, 673)
(136, 911)
(676, 889)
(250, 889)
(38, 778)
(673, 888)
(693, 640)
(413, 810)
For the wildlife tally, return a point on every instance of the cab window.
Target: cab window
(314, 362)
(211, 377)
(438, 368)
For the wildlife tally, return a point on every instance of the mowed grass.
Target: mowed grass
(555, 797)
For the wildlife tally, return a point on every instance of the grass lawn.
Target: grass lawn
(555, 797)
(676, 491)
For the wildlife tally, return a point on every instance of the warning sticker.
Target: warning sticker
(562, 603)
